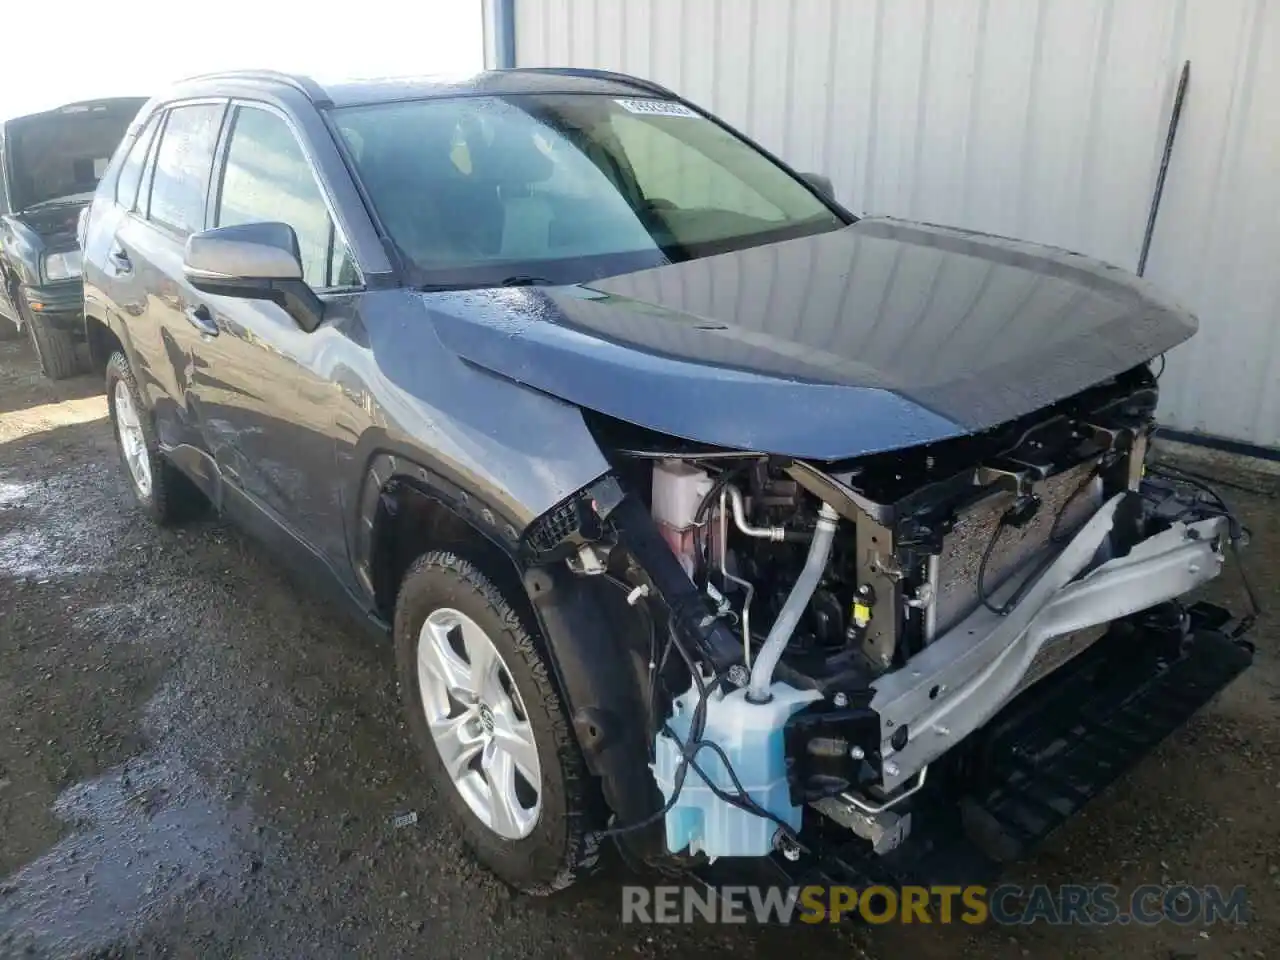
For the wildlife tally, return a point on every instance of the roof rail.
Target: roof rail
(304, 85)
(624, 78)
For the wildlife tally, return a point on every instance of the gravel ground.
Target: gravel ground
(198, 758)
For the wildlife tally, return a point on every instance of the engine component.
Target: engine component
(751, 738)
(780, 634)
(678, 489)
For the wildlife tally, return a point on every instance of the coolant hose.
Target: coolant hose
(814, 566)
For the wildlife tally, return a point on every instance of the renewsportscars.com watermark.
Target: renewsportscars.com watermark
(1008, 904)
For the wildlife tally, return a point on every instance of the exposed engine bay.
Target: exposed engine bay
(836, 629)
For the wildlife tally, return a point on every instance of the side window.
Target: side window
(182, 165)
(267, 179)
(131, 170)
(141, 202)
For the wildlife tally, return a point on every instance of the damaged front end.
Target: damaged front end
(888, 666)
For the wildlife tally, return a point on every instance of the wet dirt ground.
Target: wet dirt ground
(200, 759)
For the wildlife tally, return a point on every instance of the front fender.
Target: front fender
(598, 646)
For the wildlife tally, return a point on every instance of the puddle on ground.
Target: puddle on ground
(44, 535)
(143, 835)
(12, 494)
(30, 554)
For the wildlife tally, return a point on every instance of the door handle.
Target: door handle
(200, 318)
(121, 260)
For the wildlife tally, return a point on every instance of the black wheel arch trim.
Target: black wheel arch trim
(598, 667)
(387, 466)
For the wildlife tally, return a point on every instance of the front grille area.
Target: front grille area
(1068, 498)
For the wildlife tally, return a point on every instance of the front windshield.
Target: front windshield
(565, 188)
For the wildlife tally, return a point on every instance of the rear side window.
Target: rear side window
(182, 165)
(267, 179)
(131, 170)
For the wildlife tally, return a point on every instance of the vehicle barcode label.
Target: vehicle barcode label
(655, 108)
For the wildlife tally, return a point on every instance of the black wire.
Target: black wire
(1257, 491)
(982, 570)
(688, 752)
(743, 800)
(1238, 530)
(696, 728)
(1004, 609)
(1174, 473)
(1159, 373)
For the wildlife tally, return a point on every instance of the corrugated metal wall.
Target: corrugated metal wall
(1035, 118)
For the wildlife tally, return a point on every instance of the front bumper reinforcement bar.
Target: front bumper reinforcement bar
(964, 678)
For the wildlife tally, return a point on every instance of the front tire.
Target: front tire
(487, 718)
(55, 349)
(159, 487)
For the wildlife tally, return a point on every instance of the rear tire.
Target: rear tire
(54, 348)
(549, 840)
(161, 489)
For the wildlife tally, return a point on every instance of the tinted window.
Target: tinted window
(148, 172)
(267, 179)
(567, 187)
(131, 170)
(182, 166)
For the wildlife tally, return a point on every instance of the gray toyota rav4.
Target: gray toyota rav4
(707, 518)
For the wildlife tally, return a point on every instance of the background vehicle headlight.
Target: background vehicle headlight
(62, 266)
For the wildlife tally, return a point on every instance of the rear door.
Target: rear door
(159, 307)
(111, 288)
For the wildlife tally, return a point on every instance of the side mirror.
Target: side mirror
(256, 261)
(820, 183)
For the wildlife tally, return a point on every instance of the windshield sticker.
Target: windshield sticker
(656, 108)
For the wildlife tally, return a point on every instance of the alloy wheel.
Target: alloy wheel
(478, 722)
(132, 441)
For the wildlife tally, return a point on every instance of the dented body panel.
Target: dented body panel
(881, 335)
(768, 456)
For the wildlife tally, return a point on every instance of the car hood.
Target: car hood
(875, 337)
(63, 151)
(55, 223)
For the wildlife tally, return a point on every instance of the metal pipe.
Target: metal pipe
(871, 809)
(777, 534)
(745, 584)
(780, 634)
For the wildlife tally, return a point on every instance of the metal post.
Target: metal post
(1164, 165)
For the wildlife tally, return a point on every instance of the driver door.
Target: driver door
(266, 406)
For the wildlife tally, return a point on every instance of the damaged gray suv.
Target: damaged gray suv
(708, 519)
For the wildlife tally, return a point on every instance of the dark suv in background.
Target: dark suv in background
(705, 516)
(50, 164)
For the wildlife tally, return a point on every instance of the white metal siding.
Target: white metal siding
(1041, 119)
